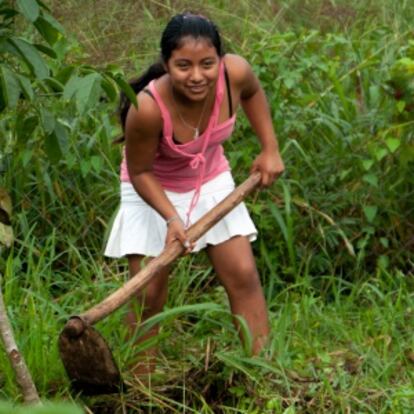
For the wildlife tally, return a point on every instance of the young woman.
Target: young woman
(174, 169)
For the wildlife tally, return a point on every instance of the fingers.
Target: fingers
(189, 246)
(176, 231)
(268, 178)
(265, 179)
(270, 165)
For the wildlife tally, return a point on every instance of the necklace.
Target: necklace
(197, 128)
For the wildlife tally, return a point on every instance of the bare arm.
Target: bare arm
(254, 103)
(142, 131)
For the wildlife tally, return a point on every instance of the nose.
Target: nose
(196, 75)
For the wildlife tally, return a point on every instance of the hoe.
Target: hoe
(85, 354)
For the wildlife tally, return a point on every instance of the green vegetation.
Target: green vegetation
(46, 409)
(336, 242)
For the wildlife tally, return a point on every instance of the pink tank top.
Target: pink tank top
(185, 167)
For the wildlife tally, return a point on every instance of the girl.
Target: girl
(174, 169)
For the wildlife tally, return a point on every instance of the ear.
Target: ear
(165, 65)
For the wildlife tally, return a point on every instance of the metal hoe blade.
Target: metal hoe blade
(89, 363)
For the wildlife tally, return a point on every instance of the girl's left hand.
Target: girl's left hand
(270, 165)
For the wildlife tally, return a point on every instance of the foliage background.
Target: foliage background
(336, 247)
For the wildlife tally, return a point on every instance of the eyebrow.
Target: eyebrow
(184, 60)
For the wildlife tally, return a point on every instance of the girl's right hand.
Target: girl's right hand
(176, 231)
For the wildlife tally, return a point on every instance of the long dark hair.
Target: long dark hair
(180, 26)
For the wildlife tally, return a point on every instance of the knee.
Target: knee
(244, 278)
(153, 297)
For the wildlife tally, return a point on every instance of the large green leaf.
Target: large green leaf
(49, 28)
(52, 148)
(29, 8)
(48, 120)
(7, 47)
(10, 87)
(31, 57)
(109, 87)
(126, 88)
(46, 50)
(57, 142)
(26, 86)
(64, 73)
(87, 92)
(71, 87)
(54, 85)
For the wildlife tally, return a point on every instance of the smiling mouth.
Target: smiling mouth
(197, 88)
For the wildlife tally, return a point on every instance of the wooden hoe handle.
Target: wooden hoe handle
(77, 324)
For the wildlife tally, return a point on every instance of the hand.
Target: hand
(270, 165)
(176, 231)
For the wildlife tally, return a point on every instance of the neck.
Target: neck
(184, 101)
(193, 118)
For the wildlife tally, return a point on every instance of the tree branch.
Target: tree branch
(23, 377)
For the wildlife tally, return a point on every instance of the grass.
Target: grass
(347, 351)
(335, 249)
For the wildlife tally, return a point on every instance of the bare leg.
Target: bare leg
(151, 301)
(235, 266)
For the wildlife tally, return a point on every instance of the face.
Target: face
(194, 68)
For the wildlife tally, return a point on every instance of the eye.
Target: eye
(208, 63)
(182, 65)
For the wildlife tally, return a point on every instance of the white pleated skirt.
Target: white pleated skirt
(139, 229)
